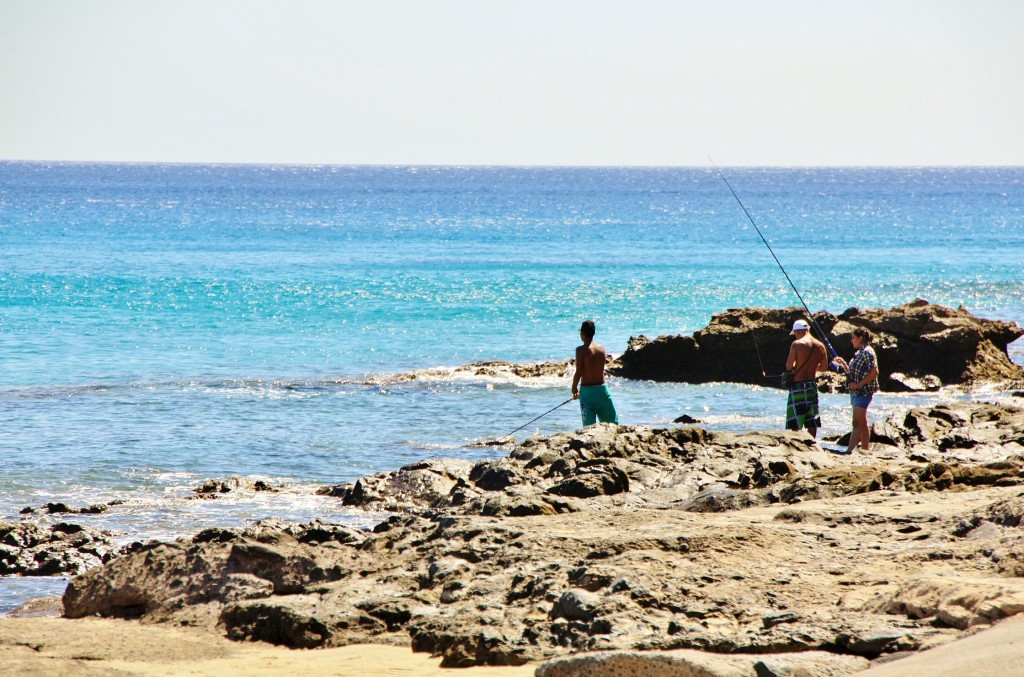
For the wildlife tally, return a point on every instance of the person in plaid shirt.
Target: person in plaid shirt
(862, 382)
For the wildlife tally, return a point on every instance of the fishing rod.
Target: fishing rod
(788, 279)
(536, 419)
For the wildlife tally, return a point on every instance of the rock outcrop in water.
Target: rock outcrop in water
(920, 346)
(30, 549)
(629, 539)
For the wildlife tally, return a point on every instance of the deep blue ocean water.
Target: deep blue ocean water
(165, 324)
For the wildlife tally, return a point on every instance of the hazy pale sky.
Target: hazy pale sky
(521, 82)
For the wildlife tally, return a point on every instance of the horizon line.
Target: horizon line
(194, 163)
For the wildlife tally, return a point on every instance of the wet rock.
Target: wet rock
(28, 549)
(55, 508)
(724, 499)
(213, 488)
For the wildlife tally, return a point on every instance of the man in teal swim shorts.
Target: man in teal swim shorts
(588, 382)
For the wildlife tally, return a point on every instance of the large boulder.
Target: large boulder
(926, 338)
(919, 345)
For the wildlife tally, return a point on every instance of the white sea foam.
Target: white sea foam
(527, 375)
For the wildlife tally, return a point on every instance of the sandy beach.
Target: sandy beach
(40, 647)
(94, 647)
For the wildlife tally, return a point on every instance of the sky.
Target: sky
(514, 82)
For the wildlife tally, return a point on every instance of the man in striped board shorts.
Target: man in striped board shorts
(807, 356)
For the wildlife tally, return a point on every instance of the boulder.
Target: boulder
(213, 488)
(413, 486)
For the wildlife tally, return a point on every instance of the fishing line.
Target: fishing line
(536, 419)
(757, 349)
(788, 279)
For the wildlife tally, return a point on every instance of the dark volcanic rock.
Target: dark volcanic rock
(28, 549)
(920, 346)
(213, 488)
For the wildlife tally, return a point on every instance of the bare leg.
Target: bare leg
(854, 439)
(861, 433)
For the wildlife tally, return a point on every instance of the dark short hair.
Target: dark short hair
(864, 334)
(588, 328)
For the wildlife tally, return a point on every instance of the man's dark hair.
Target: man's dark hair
(588, 329)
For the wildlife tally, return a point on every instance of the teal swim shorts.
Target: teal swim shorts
(596, 405)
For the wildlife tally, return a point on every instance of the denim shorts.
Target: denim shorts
(860, 401)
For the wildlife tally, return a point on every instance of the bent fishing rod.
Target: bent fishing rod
(810, 315)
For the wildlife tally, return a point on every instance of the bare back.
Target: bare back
(590, 361)
(807, 356)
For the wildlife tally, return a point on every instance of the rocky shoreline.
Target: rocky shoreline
(629, 540)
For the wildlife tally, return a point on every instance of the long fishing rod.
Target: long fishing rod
(788, 279)
(536, 419)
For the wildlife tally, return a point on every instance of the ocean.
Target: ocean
(161, 325)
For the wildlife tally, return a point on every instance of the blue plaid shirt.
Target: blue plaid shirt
(862, 363)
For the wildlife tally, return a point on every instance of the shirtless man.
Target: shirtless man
(807, 356)
(588, 382)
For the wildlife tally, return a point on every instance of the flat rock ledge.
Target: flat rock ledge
(688, 663)
(656, 546)
(920, 346)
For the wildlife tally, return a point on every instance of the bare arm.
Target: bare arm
(791, 360)
(581, 359)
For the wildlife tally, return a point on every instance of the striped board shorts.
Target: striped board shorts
(802, 406)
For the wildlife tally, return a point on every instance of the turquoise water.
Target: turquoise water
(165, 324)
